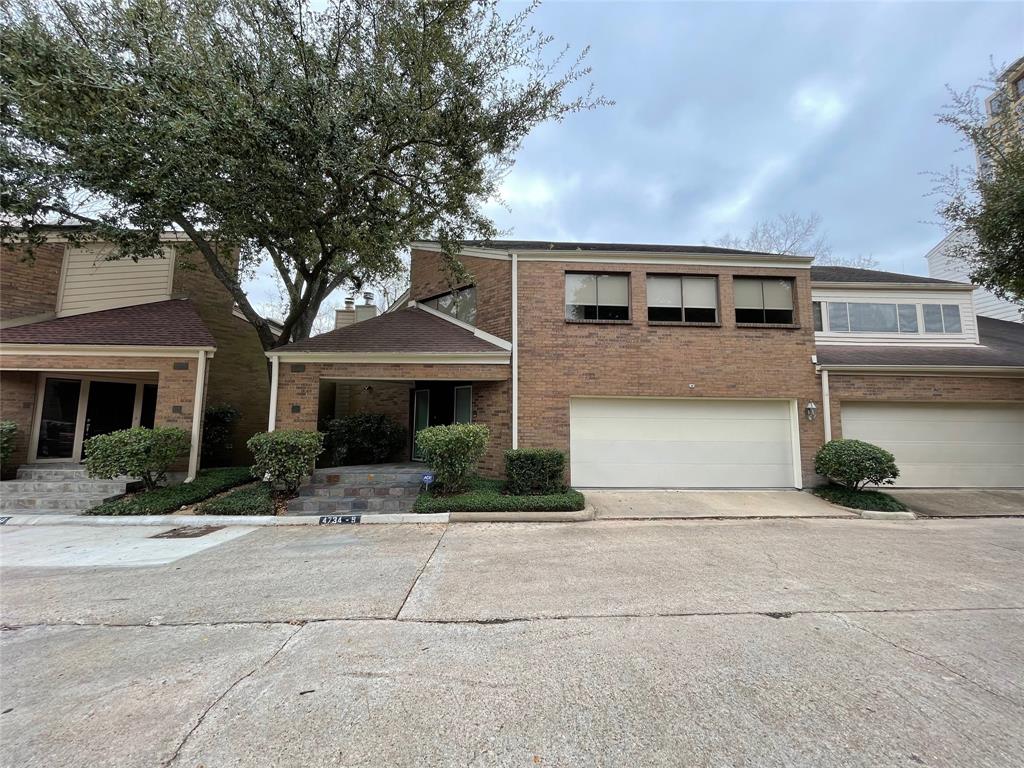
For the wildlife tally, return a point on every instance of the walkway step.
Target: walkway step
(337, 505)
(64, 502)
(16, 487)
(37, 472)
(363, 492)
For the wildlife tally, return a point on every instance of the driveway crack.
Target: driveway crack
(177, 752)
(937, 662)
(418, 575)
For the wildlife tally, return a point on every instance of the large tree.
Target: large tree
(793, 234)
(322, 140)
(983, 202)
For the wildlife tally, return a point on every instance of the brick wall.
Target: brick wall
(238, 373)
(175, 386)
(29, 286)
(492, 278)
(923, 389)
(17, 401)
(559, 360)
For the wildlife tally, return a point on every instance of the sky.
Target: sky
(727, 113)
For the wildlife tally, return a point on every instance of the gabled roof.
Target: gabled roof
(1001, 345)
(411, 331)
(829, 274)
(172, 323)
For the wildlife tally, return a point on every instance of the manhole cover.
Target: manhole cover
(188, 532)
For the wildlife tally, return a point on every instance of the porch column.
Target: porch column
(275, 372)
(198, 404)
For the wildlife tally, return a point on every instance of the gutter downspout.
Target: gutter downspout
(275, 368)
(826, 405)
(515, 350)
(198, 404)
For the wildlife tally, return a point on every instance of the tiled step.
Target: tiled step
(66, 503)
(363, 492)
(88, 487)
(386, 475)
(39, 472)
(338, 505)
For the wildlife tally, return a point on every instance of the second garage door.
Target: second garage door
(649, 443)
(967, 445)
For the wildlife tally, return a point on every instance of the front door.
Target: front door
(111, 407)
(440, 404)
(420, 418)
(58, 420)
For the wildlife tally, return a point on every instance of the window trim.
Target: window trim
(900, 333)
(596, 274)
(426, 301)
(716, 323)
(762, 278)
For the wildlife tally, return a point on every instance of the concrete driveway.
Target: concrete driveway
(963, 502)
(649, 505)
(797, 642)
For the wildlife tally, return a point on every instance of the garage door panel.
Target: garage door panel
(945, 445)
(638, 443)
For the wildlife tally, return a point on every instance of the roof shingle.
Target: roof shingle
(829, 274)
(410, 330)
(547, 245)
(171, 323)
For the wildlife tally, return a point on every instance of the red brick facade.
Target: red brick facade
(29, 285)
(492, 278)
(922, 389)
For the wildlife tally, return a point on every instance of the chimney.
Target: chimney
(347, 316)
(367, 309)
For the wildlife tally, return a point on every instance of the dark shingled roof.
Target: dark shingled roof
(1002, 345)
(856, 275)
(405, 330)
(172, 323)
(546, 245)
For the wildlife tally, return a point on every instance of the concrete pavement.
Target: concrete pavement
(644, 505)
(790, 642)
(963, 502)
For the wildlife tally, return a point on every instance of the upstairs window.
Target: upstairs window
(460, 304)
(681, 298)
(941, 318)
(764, 301)
(816, 306)
(593, 296)
(871, 317)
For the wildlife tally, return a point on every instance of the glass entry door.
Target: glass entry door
(420, 418)
(58, 423)
(111, 407)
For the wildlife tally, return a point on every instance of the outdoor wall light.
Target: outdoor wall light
(811, 410)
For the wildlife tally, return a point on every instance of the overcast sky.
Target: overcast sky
(727, 113)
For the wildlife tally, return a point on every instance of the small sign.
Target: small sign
(427, 479)
(339, 519)
(3, 520)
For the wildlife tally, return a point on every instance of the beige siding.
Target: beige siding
(91, 282)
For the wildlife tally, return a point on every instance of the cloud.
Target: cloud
(727, 210)
(818, 105)
(523, 189)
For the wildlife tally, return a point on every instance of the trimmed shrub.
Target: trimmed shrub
(255, 499)
(284, 457)
(163, 501)
(854, 464)
(483, 495)
(137, 452)
(364, 438)
(218, 427)
(452, 452)
(534, 471)
(8, 431)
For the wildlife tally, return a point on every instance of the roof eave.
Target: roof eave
(396, 358)
(112, 350)
(919, 286)
(987, 370)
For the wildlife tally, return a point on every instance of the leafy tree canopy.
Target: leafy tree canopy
(984, 203)
(326, 140)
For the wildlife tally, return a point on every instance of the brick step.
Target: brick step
(337, 505)
(52, 473)
(363, 492)
(66, 503)
(93, 487)
(367, 476)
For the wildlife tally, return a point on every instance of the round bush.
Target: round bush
(452, 452)
(854, 464)
(136, 452)
(8, 431)
(284, 457)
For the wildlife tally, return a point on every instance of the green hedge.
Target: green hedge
(874, 501)
(535, 471)
(284, 457)
(255, 499)
(487, 496)
(364, 438)
(8, 431)
(163, 501)
(137, 452)
(218, 427)
(452, 451)
(855, 463)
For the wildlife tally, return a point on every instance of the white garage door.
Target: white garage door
(944, 445)
(641, 443)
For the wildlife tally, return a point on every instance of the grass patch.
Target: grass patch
(486, 495)
(873, 501)
(163, 501)
(255, 499)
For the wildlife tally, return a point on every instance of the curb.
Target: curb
(868, 514)
(178, 521)
(587, 513)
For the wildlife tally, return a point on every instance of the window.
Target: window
(764, 301)
(816, 308)
(868, 317)
(592, 296)
(460, 304)
(942, 318)
(678, 299)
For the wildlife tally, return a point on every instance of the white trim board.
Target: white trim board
(414, 358)
(102, 350)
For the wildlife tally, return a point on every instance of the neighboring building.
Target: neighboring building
(943, 265)
(89, 345)
(679, 366)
